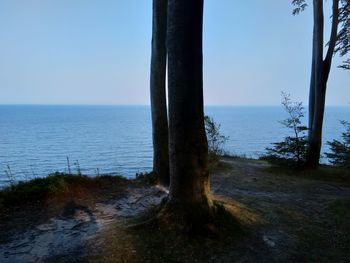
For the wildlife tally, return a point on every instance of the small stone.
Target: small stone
(45, 227)
(268, 241)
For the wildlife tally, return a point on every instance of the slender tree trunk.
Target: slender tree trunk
(322, 70)
(189, 176)
(316, 138)
(312, 84)
(316, 115)
(158, 92)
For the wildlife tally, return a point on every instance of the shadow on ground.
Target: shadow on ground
(284, 216)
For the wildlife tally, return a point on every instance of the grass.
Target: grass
(328, 238)
(323, 173)
(340, 211)
(59, 183)
(40, 189)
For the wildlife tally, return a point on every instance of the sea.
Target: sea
(38, 140)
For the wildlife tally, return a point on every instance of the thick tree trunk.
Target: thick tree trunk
(189, 176)
(158, 92)
(320, 78)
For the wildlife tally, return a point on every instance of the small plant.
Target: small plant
(292, 150)
(216, 140)
(9, 174)
(148, 178)
(68, 165)
(33, 173)
(340, 150)
(78, 167)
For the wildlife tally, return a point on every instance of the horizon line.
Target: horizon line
(148, 105)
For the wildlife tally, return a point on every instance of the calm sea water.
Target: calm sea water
(36, 140)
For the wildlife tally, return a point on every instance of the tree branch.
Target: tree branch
(333, 37)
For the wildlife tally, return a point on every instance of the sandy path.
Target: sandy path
(68, 233)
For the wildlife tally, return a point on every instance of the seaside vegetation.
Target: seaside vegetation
(39, 189)
(292, 151)
(339, 154)
(216, 140)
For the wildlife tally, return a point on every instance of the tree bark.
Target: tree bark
(312, 84)
(321, 75)
(189, 176)
(316, 123)
(315, 142)
(158, 93)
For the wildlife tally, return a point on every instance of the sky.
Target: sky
(98, 52)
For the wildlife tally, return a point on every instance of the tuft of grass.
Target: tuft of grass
(147, 178)
(236, 156)
(39, 189)
(323, 173)
(327, 239)
(340, 210)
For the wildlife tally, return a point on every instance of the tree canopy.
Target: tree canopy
(343, 34)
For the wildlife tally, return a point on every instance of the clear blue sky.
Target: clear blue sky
(98, 52)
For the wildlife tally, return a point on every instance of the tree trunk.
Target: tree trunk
(312, 85)
(320, 78)
(315, 142)
(158, 93)
(189, 176)
(315, 134)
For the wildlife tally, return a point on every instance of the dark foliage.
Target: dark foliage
(292, 150)
(343, 37)
(343, 41)
(340, 150)
(216, 140)
(147, 178)
(299, 6)
(39, 189)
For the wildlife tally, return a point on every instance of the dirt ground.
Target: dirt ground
(298, 225)
(288, 217)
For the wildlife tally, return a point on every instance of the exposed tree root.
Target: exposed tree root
(214, 222)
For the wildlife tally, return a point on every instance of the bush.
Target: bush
(216, 140)
(147, 178)
(292, 150)
(340, 150)
(39, 189)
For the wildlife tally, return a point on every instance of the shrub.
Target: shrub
(216, 140)
(292, 150)
(148, 178)
(340, 150)
(56, 184)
